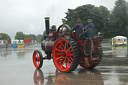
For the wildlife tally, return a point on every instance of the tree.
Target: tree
(103, 18)
(20, 35)
(99, 16)
(119, 19)
(32, 36)
(44, 34)
(4, 36)
(70, 18)
(38, 38)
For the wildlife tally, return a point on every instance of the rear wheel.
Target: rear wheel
(65, 54)
(37, 59)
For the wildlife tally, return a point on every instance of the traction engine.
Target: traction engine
(68, 51)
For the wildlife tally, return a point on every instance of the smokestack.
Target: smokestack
(47, 25)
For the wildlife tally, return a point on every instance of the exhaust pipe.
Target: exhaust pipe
(47, 26)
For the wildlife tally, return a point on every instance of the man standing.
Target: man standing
(6, 43)
(78, 27)
(91, 25)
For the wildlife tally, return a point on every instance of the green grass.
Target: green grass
(125, 45)
(120, 45)
(106, 43)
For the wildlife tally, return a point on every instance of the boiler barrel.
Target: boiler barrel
(47, 45)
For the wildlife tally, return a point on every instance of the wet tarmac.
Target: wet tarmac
(16, 68)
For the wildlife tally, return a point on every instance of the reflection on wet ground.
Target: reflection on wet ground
(82, 77)
(115, 51)
(120, 51)
(16, 68)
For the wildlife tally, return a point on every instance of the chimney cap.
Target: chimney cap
(46, 18)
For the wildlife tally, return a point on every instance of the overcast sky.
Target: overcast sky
(28, 15)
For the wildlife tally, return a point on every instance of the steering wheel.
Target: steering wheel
(64, 30)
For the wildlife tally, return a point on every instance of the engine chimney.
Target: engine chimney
(47, 26)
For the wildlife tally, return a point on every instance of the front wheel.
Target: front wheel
(37, 59)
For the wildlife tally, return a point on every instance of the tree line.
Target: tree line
(21, 36)
(109, 22)
(4, 36)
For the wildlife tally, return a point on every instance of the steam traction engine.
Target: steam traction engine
(67, 51)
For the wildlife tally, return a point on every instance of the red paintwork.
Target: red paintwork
(62, 62)
(36, 56)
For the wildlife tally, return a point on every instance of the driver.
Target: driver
(78, 27)
(87, 33)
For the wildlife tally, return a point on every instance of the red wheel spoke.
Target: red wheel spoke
(62, 60)
(69, 48)
(63, 63)
(59, 54)
(70, 51)
(65, 45)
(38, 58)
(37, 62)
(61, 47)
(58, 50)
(59, 58)
(70, 59)
(62, 44)
(67, 63)
(70, 54)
